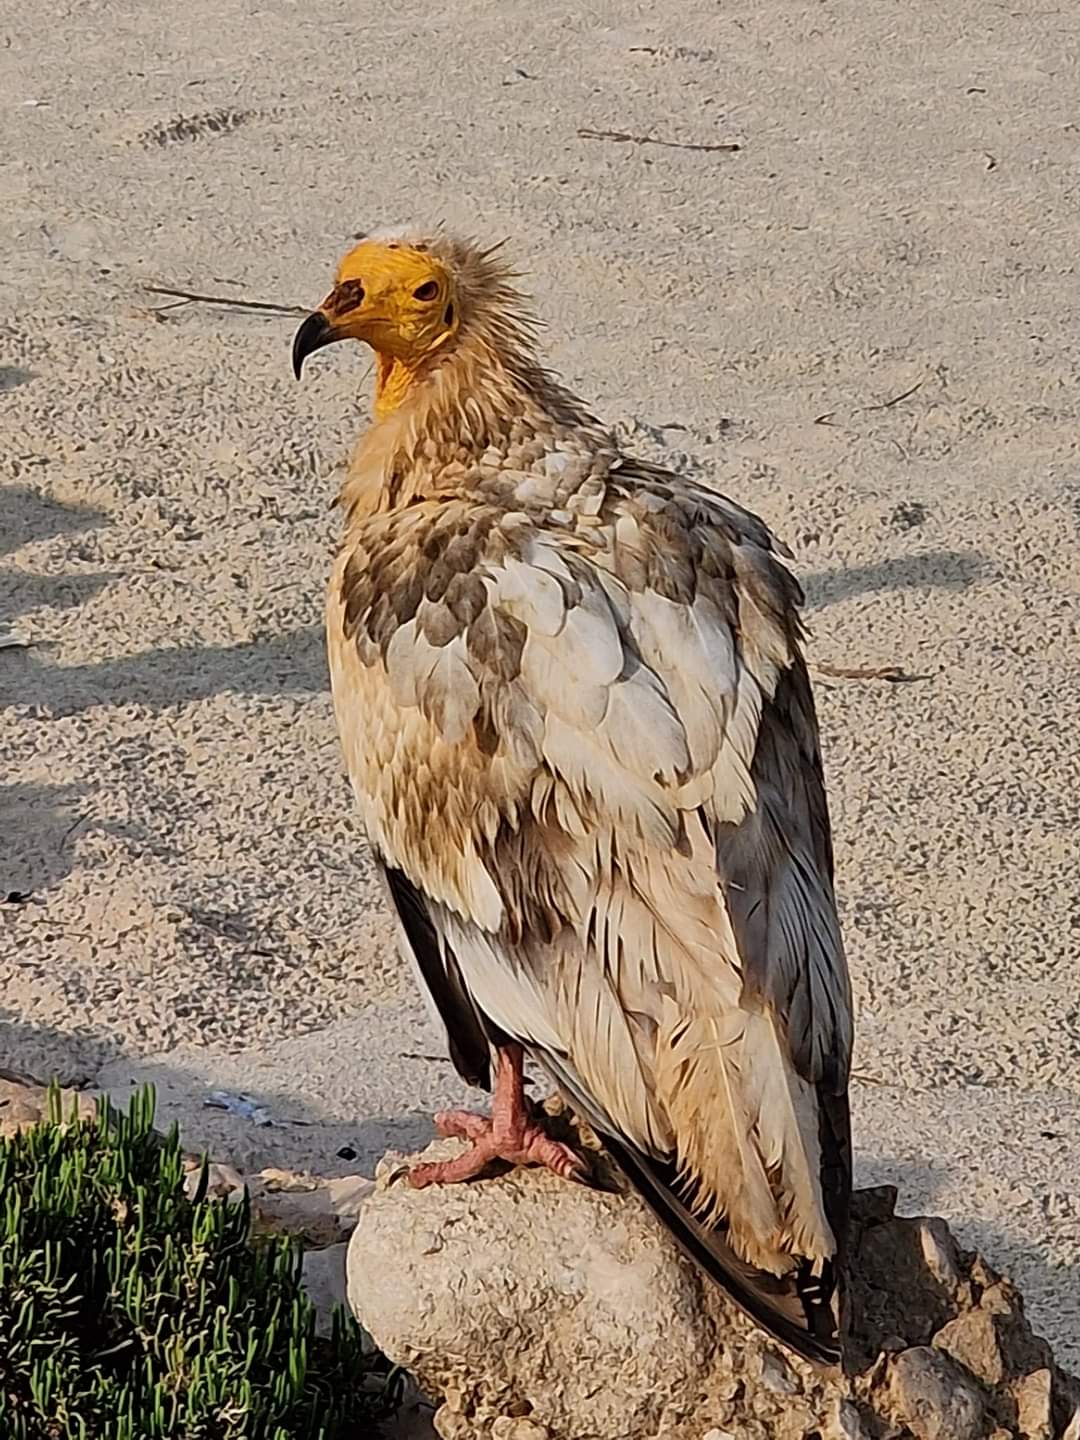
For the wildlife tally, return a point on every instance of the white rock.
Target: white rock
(322, 1211)
(323, 1276)
(531, 1293)
(776, 1375)
(939, 1252)
(347, 1194)
(847, 1423)
(223, 1182)
(1034, 1402)
(934, 1397)
(508, 1427)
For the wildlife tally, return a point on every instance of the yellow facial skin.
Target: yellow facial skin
(396, 298)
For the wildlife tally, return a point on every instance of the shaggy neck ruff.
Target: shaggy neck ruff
(437, 416)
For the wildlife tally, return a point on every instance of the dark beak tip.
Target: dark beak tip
(313, 333)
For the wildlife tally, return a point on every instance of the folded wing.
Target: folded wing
(635, 878)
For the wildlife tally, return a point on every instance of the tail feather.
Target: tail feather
(798, 1309)
(783, 1110)
(697, 1064)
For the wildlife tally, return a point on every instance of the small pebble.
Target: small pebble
(1034, 1405)
(934, 1397)
(939, 1252)
(847, 1423)
(776, 1376)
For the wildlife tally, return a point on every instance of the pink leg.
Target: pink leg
(512, 1134)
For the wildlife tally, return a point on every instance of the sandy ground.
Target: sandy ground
(196, 905)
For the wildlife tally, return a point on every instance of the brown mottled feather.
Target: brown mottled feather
(579, 727)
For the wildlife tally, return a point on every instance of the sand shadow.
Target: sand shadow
(931, 570)
(42, 1053)
(41, 818)
(278, 664)
(29, 516)
(293, 663)
(300, 1135)
(12, 376)
(47, 592)
(45, 820)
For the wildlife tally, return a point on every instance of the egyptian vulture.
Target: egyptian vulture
(576, 716)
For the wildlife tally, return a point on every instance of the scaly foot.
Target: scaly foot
(513, 1134)
(528, 1146)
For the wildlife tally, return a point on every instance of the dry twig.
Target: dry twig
(888, 404)
(826, 418)
(189, 297)
(892, 673)
(621, 137)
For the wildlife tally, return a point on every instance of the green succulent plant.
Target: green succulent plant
(131, 1311)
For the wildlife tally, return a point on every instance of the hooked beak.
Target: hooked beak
(314, 332)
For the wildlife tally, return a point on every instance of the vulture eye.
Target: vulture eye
(427, 291)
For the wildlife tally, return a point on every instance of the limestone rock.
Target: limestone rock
(972, 1339)
(1035, 1405)
(846, 1423)
(223, 1181)
(318, 1211)
(521, 1428)
(25, 1102)
(323, 1276)
(932, 1396)
(940, 1253)
(561, 1298)
(531, 1309)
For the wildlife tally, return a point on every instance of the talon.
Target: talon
(540, 1149)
